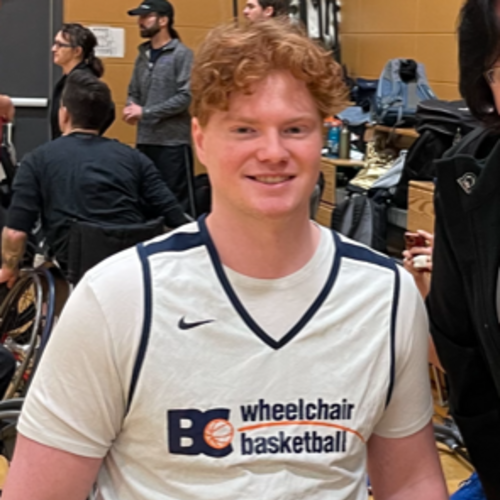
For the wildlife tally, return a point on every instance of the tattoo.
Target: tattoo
(13, 244)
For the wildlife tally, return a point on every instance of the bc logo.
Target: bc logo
(193, 432)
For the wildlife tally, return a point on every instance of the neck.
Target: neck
(73, 130)
(264, 249)
(160, 39)
(69, 67)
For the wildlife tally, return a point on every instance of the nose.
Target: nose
(272, 148)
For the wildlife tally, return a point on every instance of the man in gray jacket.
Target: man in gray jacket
(159, 96)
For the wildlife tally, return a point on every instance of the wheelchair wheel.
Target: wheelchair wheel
(21, 320)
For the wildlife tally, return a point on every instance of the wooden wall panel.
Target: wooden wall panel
(439, 53)
(438, 16)
(374, 31)
(374, 51)
(98, 11)
(388, 16)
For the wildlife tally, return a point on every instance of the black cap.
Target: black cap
(161, 7)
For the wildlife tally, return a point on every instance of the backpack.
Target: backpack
(440, 124)
(362, 216)
(402, 85)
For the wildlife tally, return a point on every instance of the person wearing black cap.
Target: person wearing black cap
(159, 95)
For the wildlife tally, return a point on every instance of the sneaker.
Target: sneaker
(470, 489)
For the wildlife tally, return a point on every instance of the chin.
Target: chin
(277, 211)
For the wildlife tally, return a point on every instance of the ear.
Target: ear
(268, 12)
(64, 119)
(78, 51)
(198, 139)
(163, 21)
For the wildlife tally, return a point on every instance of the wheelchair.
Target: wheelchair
(31, 308)
(27, 316)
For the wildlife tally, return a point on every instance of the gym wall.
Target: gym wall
(193, 18)
(374, 31)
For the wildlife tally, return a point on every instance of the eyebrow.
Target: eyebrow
(252, 121)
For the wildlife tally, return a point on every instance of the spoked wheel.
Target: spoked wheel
(21, 320)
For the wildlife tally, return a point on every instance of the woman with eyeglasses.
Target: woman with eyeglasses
(74, 50)
(464, 299)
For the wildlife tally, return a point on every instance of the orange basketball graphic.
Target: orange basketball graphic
(218, 433)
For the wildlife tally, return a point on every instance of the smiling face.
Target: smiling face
(263, 154)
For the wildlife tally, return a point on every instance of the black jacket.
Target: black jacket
(56, 102)
(463, 297)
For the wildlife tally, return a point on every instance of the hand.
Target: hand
(410, 254)
(421, 274)
(132, 113)
(8, 276)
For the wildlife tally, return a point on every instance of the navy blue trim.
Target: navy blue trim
(175, 243)
(394, 315)
(364, 254)
(146, 327)
(245, 316)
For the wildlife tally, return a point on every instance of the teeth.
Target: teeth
(272, 179)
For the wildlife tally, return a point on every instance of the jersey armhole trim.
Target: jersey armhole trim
(146, 326)
(364, 254)
(394, 315)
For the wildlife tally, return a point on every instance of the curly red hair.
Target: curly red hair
(233, 58)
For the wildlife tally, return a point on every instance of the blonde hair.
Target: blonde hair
(234, 58)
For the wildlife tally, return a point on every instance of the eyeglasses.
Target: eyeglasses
(493, 75)
(59, 45)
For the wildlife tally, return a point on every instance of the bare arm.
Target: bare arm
(39, 472)
(406, 468)
(13, 245)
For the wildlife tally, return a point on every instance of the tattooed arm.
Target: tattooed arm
(13, 245)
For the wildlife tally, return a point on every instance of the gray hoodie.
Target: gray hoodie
(163, 90)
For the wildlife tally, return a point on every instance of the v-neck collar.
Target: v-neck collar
(240, 308)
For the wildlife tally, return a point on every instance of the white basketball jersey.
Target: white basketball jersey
(219, 410)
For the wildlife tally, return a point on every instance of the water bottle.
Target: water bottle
(333, 138)
(345, 143)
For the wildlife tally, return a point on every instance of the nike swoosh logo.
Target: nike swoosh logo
(184, 325)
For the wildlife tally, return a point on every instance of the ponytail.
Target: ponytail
(173, 33)
(95, 64)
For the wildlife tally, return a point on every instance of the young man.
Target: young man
(81, 176)
(257, 10)
(250, 355)
(159, 96)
